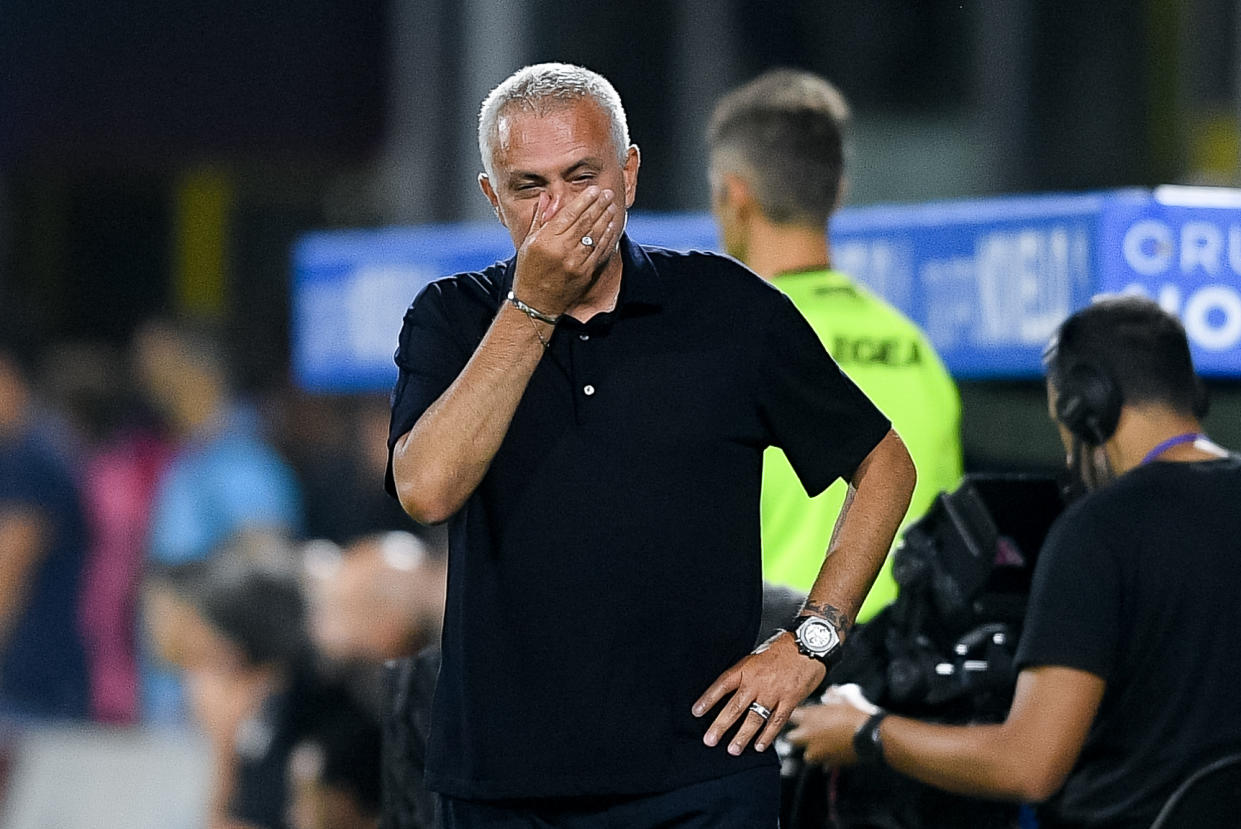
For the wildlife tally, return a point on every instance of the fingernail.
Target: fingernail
(760, 746)
(710, 739)
(698, 710)
(607, 194)
(734, 749)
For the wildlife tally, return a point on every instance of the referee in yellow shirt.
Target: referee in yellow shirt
(776, 166)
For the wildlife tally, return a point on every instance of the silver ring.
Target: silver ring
(762, 710)
(588, 242)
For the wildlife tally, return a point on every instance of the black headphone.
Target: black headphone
(1089, 402)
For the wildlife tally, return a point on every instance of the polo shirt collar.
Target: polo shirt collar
(640, 282)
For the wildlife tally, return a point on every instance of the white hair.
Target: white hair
(542, 86)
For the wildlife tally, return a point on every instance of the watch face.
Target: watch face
(818, 635)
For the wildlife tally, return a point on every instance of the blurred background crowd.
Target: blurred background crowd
(168, 563)
(190, 542)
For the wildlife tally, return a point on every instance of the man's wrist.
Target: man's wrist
(867, 742)
(829, 611)
(530, 311)
(817, 638)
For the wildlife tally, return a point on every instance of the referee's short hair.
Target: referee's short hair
(784, 133)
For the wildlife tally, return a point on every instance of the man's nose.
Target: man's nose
(559, 193)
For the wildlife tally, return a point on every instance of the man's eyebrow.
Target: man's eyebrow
(590, 163)
(522, 175)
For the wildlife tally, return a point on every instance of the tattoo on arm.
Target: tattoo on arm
(830, 612)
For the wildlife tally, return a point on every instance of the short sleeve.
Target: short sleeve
(1074, 611)
(810, 408)
(429, 356)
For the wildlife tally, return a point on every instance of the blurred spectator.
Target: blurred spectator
(334, 774)
(375, 605)
(339, 448)
(171, 616)
(381, 598)
(42, 543)
(410, 689)
(223, 476)
(121, 454)
(243, 646)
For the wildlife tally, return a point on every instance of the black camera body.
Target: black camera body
(943, 651)
(964, 572)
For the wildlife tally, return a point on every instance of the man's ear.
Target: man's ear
(736, 195)
(484, 184)
(633, 160)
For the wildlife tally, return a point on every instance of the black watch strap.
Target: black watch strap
(867, 743)
(831, 658)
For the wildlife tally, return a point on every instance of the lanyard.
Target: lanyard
(1164, 446)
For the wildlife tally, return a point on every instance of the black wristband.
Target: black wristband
(867, 743)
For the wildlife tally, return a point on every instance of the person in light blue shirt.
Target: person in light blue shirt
(223, 479)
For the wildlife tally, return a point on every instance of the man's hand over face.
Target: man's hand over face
(776, 676)
(554, 268)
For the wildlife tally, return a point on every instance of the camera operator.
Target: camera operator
(1128, 661)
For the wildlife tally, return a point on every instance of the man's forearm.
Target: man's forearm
(1027, 757)
(874, 507)
(442, 459)
(975, 760)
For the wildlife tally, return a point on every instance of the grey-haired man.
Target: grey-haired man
(590, 418)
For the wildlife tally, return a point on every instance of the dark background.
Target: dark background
(164, 155)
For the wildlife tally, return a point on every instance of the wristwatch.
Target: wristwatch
(817, 638)
(867, 743)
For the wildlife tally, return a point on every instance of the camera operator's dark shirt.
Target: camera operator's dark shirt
(607, 568)
(1140, 584)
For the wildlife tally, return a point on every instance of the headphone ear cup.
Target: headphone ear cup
(1089, 404)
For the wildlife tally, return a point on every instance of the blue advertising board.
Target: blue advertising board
(351, 288)
(988, 279)
(1183, 249)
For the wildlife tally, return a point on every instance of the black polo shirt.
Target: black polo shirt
(607, 568)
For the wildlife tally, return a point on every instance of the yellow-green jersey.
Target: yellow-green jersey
(892, 361)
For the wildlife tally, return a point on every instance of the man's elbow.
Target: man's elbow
(423, 496)
(1032, 773)
(421, 504)
(901, 463)
(418, 489)
(1037, 785)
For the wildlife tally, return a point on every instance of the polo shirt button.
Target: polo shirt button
(588, 390)
(583, 337)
